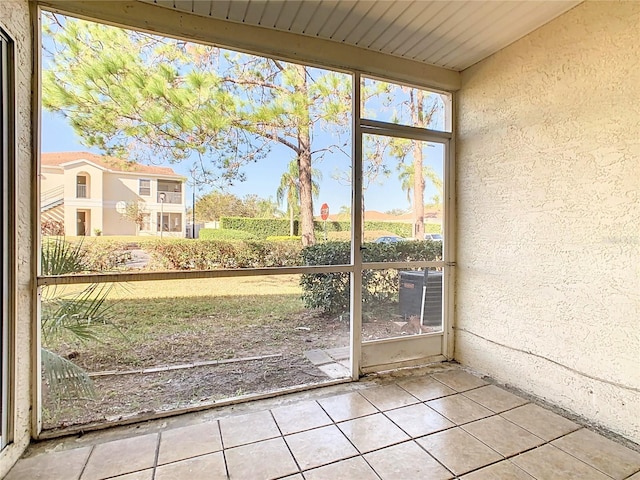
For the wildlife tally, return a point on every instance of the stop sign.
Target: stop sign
(324, 211)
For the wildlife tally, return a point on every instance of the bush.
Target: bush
(105, 255)
(259, 227)
(52, 228)
(283, 238)
(330, 291)
(82, 255)
(224, 234)
(279, 227)
(184, 254)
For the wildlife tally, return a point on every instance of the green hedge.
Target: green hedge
(330, 291)
(186, 254)
(224, 234)
(279, 227)
(259, 227)
(283, 238)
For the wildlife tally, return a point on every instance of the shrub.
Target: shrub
(260, 227)
(52, 228)
(224, 234)
(283, 238)
(105, 255)
(183, 254)
(330, 291)
(279, 227)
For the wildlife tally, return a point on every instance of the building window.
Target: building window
(144, 187)
(146, 222)
(172, 191)
(171, 222)
(81, 186)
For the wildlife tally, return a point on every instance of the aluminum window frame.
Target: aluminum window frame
(359, 127)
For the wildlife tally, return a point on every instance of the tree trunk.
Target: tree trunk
(291, 221)
(418, 177)
(304, 165)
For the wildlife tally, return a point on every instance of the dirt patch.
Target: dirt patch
(206, 339)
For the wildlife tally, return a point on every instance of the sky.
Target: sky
(263, 177)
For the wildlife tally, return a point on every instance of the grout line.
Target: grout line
(157, 455)
(84, 467)
(285, 442)
(224, 456)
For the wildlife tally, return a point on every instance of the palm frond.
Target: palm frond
(65, 379)
(59, 257)
(79, 313)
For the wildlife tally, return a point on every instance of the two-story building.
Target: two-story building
(94, 194)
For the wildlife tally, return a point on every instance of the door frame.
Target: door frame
(398, 352)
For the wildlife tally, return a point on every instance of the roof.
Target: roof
(104, 161)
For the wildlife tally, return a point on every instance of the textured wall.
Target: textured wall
(14, 19)
(548, 165)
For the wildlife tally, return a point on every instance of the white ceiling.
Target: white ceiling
(449, 34)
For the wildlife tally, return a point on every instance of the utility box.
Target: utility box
(412, 295)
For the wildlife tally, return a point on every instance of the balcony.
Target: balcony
(81, 190)
(170, 197)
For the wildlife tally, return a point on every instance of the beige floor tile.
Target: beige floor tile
(388, 397)
(634, 477)
(426, 388)
(210, 466)
(191, 441)
(252, 427)
(352, 469)
(121, 456)
(495, 398)
(600, 452)
(346, 407)
(459, 380)
(300, 416)
(260, 461)
(418, 420)
(503, 436)
(459, 409)
(319, 446)
(459, 451)
(372, 432)
(64, 465)
(406, 461)
(141, 475)
(550, 463)
(541, 422)
(504, 470)
(297, 476)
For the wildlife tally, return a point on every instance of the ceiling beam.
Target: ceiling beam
(259, 40)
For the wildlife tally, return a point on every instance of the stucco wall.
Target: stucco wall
(548, 184)
(14, 18)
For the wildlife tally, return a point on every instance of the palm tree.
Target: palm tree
(289, 190)
(407, 179)
(78, 314)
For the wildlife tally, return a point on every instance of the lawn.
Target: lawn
(177, 322)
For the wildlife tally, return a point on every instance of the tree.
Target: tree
(406, 176)
(136, 95)
(214, 205)
(137, 213)
(78, 314)
(289, 190)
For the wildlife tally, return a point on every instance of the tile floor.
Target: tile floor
(443, 425)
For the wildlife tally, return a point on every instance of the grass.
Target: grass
(179, 314)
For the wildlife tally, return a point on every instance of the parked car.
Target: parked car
(436, 237)
(389, 239)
